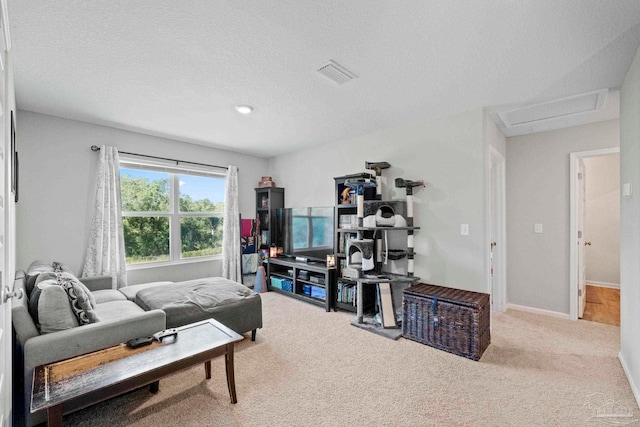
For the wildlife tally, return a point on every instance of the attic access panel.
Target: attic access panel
(571, 106)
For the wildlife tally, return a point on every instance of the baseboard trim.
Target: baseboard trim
(634, 388)
(537, 311)
(604, 284)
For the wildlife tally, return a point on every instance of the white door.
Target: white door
(582, 278)
(497, 233)
(495, 289)
(6, 213)
(5, 302)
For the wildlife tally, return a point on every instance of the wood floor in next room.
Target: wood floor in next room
(602, 305)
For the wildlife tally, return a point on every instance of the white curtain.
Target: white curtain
(231, 229)
(105, 249)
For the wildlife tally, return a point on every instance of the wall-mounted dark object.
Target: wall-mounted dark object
(14, 160)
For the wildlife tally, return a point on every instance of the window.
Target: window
(170, 215)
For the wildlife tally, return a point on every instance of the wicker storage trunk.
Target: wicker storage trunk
(449, 319)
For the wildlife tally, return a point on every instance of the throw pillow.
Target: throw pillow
(82, 286)
(80, 298)
(34, 270)
(42, 280)
(54, 311)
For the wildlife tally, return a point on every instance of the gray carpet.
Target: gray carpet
(310, 368)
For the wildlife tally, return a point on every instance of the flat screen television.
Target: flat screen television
(305, 232)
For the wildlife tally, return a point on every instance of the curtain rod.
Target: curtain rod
(96, 148)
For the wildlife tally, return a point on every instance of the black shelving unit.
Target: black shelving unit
(268, 200)
(311, 282)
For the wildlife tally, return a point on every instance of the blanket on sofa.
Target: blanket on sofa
(199, 299)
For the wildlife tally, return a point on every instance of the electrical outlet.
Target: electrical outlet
(537, 228)
(464, 229)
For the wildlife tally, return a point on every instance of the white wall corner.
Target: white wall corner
(627, 373)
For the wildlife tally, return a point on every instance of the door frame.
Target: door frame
(581, 221)
(497, 287)
(574, 160)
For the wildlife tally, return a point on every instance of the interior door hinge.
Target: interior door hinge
(579, 234)
(579, 176)
(579, 292)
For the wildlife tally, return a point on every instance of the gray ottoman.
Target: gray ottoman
(230, 303)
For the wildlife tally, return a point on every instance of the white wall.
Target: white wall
(538, 192)
(57, 185)
(447, 152)
(602, 219)
(630, 226)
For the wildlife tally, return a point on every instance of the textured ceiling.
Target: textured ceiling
(177, 68)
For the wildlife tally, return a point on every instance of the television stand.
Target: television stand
(306, 281)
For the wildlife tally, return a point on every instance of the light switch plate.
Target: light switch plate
(626, 189)
(464, 229)
(537, 228)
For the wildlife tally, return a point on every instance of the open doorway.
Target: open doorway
(602, 239)
(595, 236)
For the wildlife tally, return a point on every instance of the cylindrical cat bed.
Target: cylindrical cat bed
(360, 254)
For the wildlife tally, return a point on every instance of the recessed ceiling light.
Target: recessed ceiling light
(244, 109)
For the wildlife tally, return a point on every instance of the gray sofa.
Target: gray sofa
(48, 330)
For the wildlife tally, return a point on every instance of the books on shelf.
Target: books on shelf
(346, 293)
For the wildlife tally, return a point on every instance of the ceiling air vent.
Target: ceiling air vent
(336, 73)
(541, 114)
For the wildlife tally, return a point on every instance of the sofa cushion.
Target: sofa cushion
(131, 291)
(81, 300)
(54, 311)
(213, 297)
(107, 295)
(47, 279)
(114, 310)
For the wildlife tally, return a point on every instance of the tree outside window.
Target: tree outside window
(168, 217)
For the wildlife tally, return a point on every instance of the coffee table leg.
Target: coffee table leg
(207, 369)
(154, 387)
(231, 381)
(54, 416)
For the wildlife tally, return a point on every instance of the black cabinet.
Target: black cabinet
(312, 282)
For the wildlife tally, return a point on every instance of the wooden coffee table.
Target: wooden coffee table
(107, 373)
